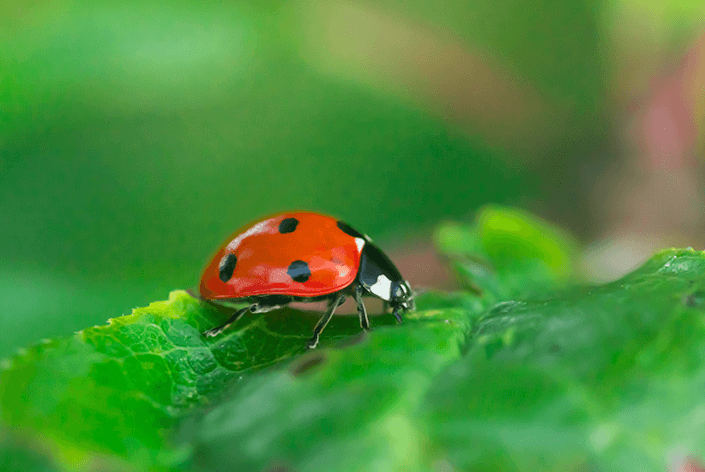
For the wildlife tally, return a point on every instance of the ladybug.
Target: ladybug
(302, 256)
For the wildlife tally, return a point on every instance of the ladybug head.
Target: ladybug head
(401, 296)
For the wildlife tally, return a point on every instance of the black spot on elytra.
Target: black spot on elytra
(299, 271)
(347, 229)
(227, 266)
(308, 363)
(288, 225)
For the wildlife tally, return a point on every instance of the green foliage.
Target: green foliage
(508, 253)
(546, 376)
(608, 378)
(120, 389)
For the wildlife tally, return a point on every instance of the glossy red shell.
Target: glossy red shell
(264, 255)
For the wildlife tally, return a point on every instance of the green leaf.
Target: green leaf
(610, 378)
(606, 378)
(350, 411)
(119, 390)
(508, 253)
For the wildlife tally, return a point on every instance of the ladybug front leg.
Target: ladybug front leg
(333, 303)
(396, 314)
(364, 321)
(236, 316)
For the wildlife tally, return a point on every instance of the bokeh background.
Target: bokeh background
(135, 136)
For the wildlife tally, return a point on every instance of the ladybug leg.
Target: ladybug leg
(364, 321)
(385, 307)
(236, 316)
(397, 315)
(321, 325)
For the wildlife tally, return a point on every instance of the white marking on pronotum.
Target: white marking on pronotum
(382, 287)
(258, 228)
(360, 243)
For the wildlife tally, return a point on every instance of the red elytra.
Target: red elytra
(264, 255)
(302, 256)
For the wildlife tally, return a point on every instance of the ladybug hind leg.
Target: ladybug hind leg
(364, 321)
(236, 316)
(333, 303)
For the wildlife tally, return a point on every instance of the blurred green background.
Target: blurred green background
(134, 137)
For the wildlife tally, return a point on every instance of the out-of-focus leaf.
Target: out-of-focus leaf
(608, 379)
(508, 253)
